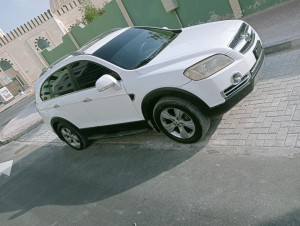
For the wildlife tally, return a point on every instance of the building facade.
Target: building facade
(21, 61)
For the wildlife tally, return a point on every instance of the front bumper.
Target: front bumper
(242, 91)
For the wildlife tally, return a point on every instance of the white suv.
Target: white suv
(138, 78)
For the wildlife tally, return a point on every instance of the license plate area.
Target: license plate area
(257, 50)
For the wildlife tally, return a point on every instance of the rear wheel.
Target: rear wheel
(180, 120)
(72, 136)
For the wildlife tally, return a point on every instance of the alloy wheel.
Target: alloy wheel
(178, 123)
(71, 138)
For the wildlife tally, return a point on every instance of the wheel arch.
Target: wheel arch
(56, 120)
(154, 96)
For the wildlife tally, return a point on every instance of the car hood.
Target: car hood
(204, 40)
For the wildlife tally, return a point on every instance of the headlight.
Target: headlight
(207, 67)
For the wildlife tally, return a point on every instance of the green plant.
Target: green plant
(90, 12)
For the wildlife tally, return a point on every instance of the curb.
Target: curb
(17, 101)
(289, 45)
(17, 136)
(24, 96)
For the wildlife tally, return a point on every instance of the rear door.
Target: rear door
(60, 99)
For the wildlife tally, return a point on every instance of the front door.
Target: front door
(108, 107)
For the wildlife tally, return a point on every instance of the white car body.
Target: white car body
(90, 108)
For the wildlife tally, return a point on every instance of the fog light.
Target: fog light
(236, 78)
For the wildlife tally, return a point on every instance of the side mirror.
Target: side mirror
(107, 81)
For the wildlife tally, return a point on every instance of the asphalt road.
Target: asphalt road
(130, 184)
(11, 112)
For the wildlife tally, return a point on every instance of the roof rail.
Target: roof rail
(75, 53)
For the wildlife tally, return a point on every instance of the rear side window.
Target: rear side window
(58, 84)
(45, 91)
(87, 73)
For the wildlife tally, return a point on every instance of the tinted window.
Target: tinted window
(45, 91)
(135, 46)
(87, 73)
(59, 83)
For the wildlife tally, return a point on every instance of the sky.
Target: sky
(14, 13)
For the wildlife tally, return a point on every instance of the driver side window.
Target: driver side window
(86, 73)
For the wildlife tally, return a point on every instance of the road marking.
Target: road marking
(5, 167)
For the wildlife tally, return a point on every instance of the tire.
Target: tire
(72, 136)
(180, 120)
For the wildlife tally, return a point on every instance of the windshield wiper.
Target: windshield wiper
(143, 62)
(148, 59)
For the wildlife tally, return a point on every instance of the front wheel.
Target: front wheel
(72, 136)
(180, 120)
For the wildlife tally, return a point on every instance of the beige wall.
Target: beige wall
(14, 87)
(68, 16)
(3, 79)
(23, 53)
(19, 46)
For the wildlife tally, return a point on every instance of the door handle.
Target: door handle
(87, 100)
(56, 106)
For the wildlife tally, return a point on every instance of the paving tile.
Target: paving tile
(296, 115)
(282, 106)
(267, 122)
(273, 143)
(226, 131)
(244, 135)
(258, 143)
(259, 130)
(275, 113)
(290, 140)
(295, 130)
(282, 118)
(290, 110)
(235, 142)
(298, 142)
(268, 136)
(252, 125)
(275, 126)
(282, 133)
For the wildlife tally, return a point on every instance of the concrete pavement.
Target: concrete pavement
(279, 28)
(136, 184)
(26, 120)
(28, 92)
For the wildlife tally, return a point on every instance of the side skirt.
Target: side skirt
(118, 130)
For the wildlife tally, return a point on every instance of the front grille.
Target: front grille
(243, 35)
(249, 43)
(244, 28)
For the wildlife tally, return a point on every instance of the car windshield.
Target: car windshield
(136, 46)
